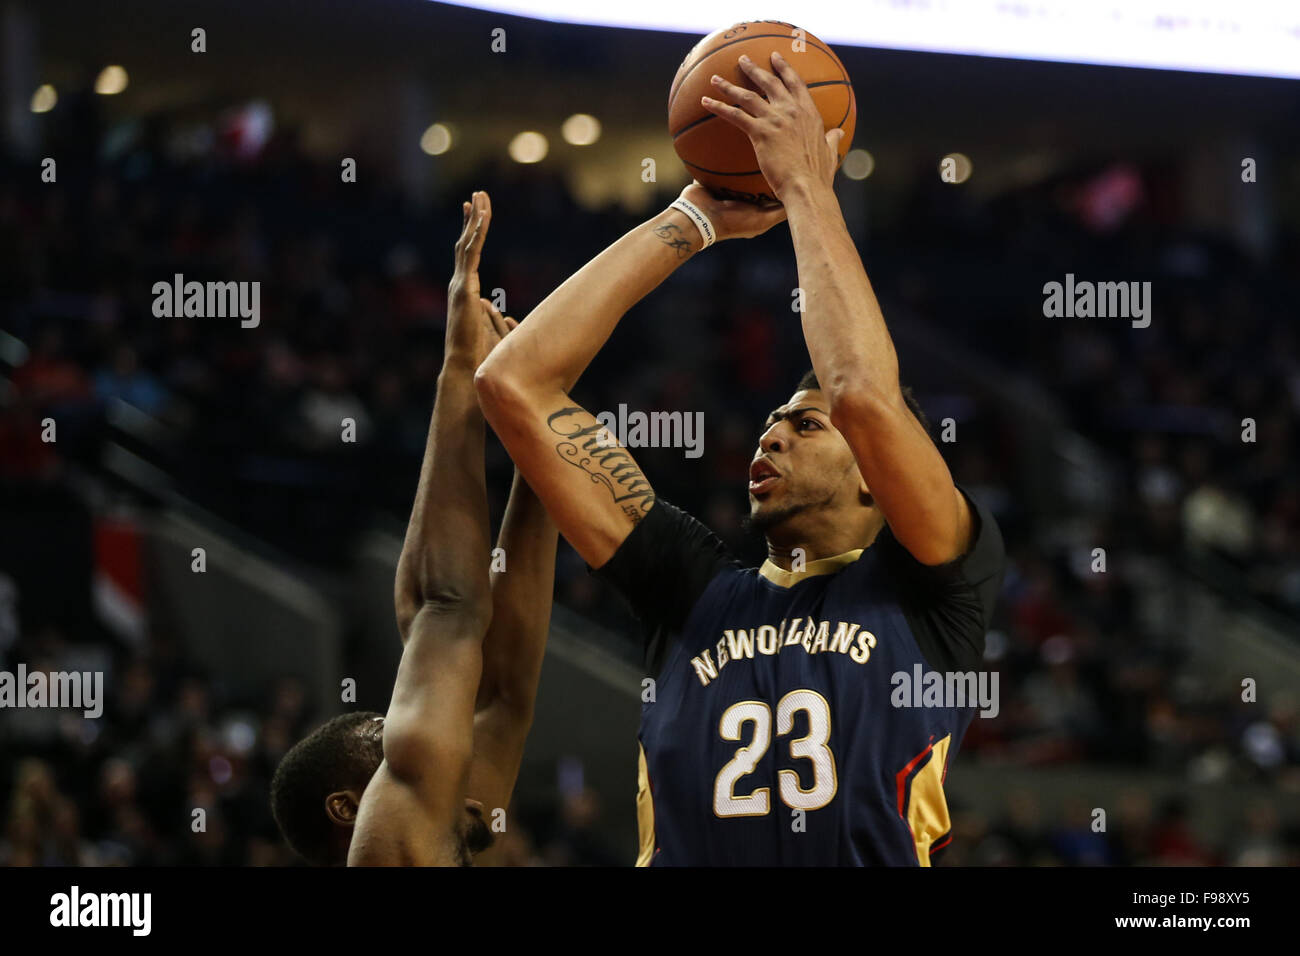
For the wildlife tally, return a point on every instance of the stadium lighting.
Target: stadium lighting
(44, 98)
(111, 81)
(960, 166)
(1248, 37)
(436, 139)
(581, 129)
(528, 147)
(858, 164)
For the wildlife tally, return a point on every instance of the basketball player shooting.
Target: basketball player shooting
(410, 788)
(772, 738)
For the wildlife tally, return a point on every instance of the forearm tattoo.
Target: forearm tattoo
(670, 234)
(607, 464)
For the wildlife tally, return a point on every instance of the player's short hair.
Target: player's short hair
(809, 380)
(341, 754)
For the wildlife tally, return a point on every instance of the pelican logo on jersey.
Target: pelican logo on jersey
(815, 637)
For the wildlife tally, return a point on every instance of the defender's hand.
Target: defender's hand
(790, 138)
(493, 327)
(464, 312)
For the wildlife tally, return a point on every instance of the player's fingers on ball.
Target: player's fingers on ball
(791, 80)
(511, 324)
(732, 114)
(747, 100)
(753, 70)
(768, 83)
(725, 87)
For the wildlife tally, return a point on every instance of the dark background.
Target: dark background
(1120, 690)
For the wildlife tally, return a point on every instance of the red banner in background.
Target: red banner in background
(118, 582)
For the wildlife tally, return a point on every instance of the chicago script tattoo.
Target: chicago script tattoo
(606, 464)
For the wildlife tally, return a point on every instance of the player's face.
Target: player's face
(474, 834)
(802, 463)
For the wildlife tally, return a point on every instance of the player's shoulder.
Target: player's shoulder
(984, 557)
(667, 561)
(679, 525)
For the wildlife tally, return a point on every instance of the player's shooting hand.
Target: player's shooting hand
(493, 327)
(790, 139)
(735, 218)
(464, 312)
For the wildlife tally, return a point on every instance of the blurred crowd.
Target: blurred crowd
(1143, 832)
(246, 422)
(173, 775)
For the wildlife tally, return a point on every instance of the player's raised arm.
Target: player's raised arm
(442, 594)
(522, 589)
(592, 488)
(848, 342)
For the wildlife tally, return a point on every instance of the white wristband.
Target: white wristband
(697, 216)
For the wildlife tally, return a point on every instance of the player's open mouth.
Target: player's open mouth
(762, 476)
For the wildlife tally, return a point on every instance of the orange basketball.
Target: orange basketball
(718, 154)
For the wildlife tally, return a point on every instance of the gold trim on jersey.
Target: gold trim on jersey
(783, 578)
(645, 810)
(927, 809)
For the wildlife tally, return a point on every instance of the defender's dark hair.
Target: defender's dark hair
(809, 380)
(341, 754)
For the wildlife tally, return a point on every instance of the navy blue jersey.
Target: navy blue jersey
(779, 733)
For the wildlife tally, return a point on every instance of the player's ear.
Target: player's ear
(864, 493)
(341, 807)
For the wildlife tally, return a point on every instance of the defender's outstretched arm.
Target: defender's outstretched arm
(413, 804)
(522, 591)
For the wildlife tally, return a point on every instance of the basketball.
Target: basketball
(715, 152)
